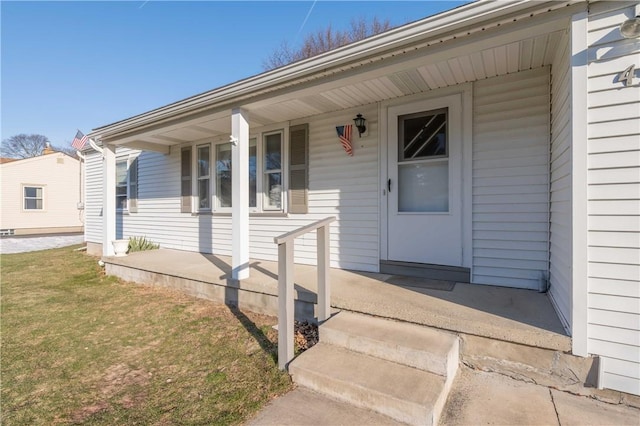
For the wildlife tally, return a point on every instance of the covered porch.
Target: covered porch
(492, 72)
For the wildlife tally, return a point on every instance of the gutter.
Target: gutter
(442, 27)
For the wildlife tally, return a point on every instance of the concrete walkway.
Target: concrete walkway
(27, 243)
(477, 398)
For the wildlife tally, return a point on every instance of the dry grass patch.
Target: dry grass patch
(79, 347)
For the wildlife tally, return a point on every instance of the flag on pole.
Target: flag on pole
(344, 134)
(79, 140)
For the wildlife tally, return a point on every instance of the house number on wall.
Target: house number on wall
(627, 75)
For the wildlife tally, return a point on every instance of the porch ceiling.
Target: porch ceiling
(420, 75)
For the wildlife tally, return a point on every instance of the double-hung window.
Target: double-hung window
(33, 197)
(213, 171)
(272, 171)
(224, 187)
(223, 175)
(127, 185)
(204, 177)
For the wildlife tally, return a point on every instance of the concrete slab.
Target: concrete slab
(302, 407)
(580, 410)
(521, 316)
(481, 398)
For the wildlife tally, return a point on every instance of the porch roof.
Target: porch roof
(468, 43)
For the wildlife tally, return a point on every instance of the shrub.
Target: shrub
(141, 244)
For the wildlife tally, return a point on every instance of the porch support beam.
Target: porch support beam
(148, 146)
(240, 194)
(108, 199)
(579, 231)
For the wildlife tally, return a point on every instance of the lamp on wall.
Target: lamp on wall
(631, 27)
(360, 124)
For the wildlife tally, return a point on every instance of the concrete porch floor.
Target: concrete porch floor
(512, 315)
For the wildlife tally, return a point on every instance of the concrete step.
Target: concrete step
(403, 393)
(408, 344)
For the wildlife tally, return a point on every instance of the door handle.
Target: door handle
(388, 185)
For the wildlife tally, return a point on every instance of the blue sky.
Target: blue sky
(80, 65)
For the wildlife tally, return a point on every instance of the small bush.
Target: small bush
(141, 244)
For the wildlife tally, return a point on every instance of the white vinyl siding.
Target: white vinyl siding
(511, 180)
(560, 290)
(613, 199)
(339, 185)
(93, 198)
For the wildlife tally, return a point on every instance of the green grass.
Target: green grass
(82, 348)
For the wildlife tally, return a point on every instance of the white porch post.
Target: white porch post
(579, 165)
(240, 194)
(108, 199)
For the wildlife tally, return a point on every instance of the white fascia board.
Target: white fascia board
(455, 23)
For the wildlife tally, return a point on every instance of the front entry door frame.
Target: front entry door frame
(465, 93)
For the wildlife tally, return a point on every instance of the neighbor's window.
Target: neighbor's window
(204, 179)
(272, 183)
(33, 198)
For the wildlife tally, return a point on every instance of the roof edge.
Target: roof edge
(456, 19)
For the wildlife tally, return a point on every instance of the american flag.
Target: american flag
(344, 134)
(79, 140)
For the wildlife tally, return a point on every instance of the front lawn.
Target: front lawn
(79, 347)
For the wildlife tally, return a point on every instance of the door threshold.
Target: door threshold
(426, 270)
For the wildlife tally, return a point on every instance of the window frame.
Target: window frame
(282, 171)
(214, 188)
(129, 160)
(199, 178)
(426, 160)
(25, 198)
(259, 138)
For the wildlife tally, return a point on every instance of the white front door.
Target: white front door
(424, 185)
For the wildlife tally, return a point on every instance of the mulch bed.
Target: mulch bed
(305, 335)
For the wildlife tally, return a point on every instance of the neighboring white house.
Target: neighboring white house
(502, 138)
(41, 195)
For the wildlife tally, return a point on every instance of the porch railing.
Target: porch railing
(286, 305)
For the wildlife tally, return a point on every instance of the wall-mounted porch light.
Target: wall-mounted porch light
(631, 27)
(360, 124)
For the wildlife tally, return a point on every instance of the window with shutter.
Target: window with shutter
(185, 177)
(298, 168)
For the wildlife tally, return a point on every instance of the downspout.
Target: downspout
(80, 204)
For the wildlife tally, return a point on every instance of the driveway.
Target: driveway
(25, 243)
